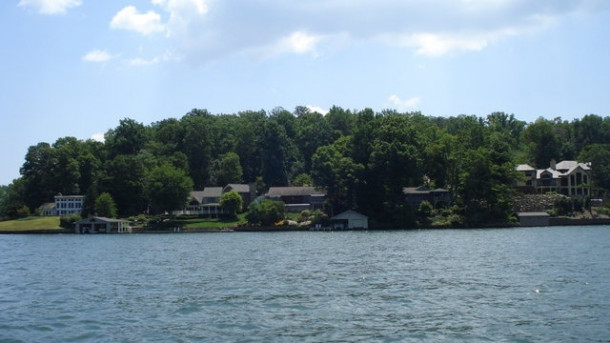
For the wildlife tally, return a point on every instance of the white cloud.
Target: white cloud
(297, 43)
(50, 6)
(182, 14)
(183, 6)
(317, 109)
(437, 44)
(204, 30)
(129, 18)
(401, 104)
(140, 62)
(98, 137)
(98, 56)
(300, 42)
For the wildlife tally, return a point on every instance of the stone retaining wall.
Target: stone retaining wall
(536, 202)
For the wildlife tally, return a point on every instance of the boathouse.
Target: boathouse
(102, 225)
(349, 220)
(533, 218)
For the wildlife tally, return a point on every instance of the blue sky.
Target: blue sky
(76, 67)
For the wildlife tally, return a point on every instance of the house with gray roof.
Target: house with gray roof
(438, 197)
(246, 191)
(297, 199)
(203, 203)
(570, 178)
(206, 202)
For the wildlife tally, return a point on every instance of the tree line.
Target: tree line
(362, 157)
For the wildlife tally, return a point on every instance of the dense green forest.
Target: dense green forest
(362, 158)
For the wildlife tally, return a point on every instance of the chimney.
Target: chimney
(553, 164)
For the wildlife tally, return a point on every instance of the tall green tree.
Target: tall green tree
(341, 121)
(105, 206)
(542, 142)
(227, 169)
(13, 202)
(274, 147)
(486, 189)
(249, 135)
(126, 139)
(599, 156)
(232, 203)
(168, 188)
(313, 131)
(197, 145)
(125, 178)
(3, 200)
(38, 178)
(338, 174)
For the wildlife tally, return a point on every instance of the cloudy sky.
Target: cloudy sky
(76, 67)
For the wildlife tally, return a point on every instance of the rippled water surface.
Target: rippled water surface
(531, 284)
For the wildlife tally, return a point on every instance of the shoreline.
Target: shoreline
(553, 222)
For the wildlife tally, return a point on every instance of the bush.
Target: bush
(424, 212)
(231, 202)
(67, 222)
(265, 212)
(23, 212)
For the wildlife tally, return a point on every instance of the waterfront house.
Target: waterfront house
(438, 198)
(349, 220)
(570, 178)
(102, 225)
(203, 203)
(47, 209)
(297, 199)
(63, 205)
(247, 192)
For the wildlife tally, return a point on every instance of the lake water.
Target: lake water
(521, 285)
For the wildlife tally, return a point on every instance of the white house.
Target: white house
(63, 205)
(69, 204)
(350, 220)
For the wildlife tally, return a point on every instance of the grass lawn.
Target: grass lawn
(209, 223)
(30, 223)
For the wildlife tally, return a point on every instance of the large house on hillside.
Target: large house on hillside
(297, 199)
(207, 201)
(438, 198)
(570, 178)
(63, 205)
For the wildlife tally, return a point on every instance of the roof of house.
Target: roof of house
(212, 192)
(59, 195)
(238, 187)
(197, 196)
(422, 190)
(295, 191)
(533, 214)
(554, 173)
(562, 168)
(101, 219)
(47, 206)
(348, 214)
(525, 167)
